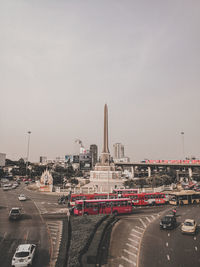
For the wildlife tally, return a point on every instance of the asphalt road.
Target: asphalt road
(127, 235)
(31, 228)
(171, 247)
(137, 240)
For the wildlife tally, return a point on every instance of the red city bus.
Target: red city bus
(155, 198)
(125, 191)
(145, 199)
(103, 206)
(75, 197)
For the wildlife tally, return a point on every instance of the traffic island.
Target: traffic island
(88, 239)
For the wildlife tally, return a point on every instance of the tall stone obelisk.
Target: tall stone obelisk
(105, 176)
(105, 155)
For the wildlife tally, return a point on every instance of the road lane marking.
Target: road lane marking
(195, 238)
(168, 234)
(148, 219)
(143, 223)
(153, 217)
(131, 246)
(168, 257)
(130, 253)
(4, 236)
(26, 236)
(142, 229)
(132, 240)
(167, 244)
(135, 236)
(121, 265)
(136, 231)
(196, 248)
(130, 261)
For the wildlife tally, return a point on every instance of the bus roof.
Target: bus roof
(126, 189)
(184, 192)
(102, 200)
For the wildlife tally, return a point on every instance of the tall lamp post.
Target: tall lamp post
(182, 134)
(29, 133)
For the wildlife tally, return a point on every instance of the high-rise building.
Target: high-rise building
(85, 160)
(2, 159)
(118, 151)
(43, 159)
(94, 154)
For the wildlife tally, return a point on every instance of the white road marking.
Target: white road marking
(121, 265)
(153, 217)
(135, 236)
(167, 244)
(168, 234)
(131, 246)
(142, 229)
(195, 238)
(196, 248)
(130, 253)
(132, 240)
(143, 223)
(148, 219)
(132, 262)
(168, 257)
(136, 231)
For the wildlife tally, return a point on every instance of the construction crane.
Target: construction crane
(78, 141)
(82, 148)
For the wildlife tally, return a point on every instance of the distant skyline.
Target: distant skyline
(61, 61)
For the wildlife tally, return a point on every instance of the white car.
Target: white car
(22, 197)
(188, 227)
(23, 255)
(7, 187)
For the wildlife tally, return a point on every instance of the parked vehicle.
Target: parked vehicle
(189, 226)
(15, 214)
(24, 255)
(168, 222)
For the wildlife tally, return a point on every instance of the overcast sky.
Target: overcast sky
(61, 61)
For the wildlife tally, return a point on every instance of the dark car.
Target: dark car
(15, 214)
(168, 222)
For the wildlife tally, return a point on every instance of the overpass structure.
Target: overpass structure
(150, 167)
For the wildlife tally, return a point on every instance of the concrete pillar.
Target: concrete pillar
(190, 172)
(149, 171)
(132, 172)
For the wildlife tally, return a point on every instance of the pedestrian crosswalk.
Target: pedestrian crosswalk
(130, 253)
(55, 234)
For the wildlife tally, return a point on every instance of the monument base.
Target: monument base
(105, 181)
(105, 175)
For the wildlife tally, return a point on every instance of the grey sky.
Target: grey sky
(61, 61)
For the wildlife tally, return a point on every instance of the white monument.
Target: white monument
(46, 182)
(105, 176)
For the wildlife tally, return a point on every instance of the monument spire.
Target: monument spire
(105, 137)
(105, 155)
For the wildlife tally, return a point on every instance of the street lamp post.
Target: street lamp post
(29, 133)
(182, 134)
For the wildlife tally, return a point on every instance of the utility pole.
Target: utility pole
(29, 133)
(182, 134)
